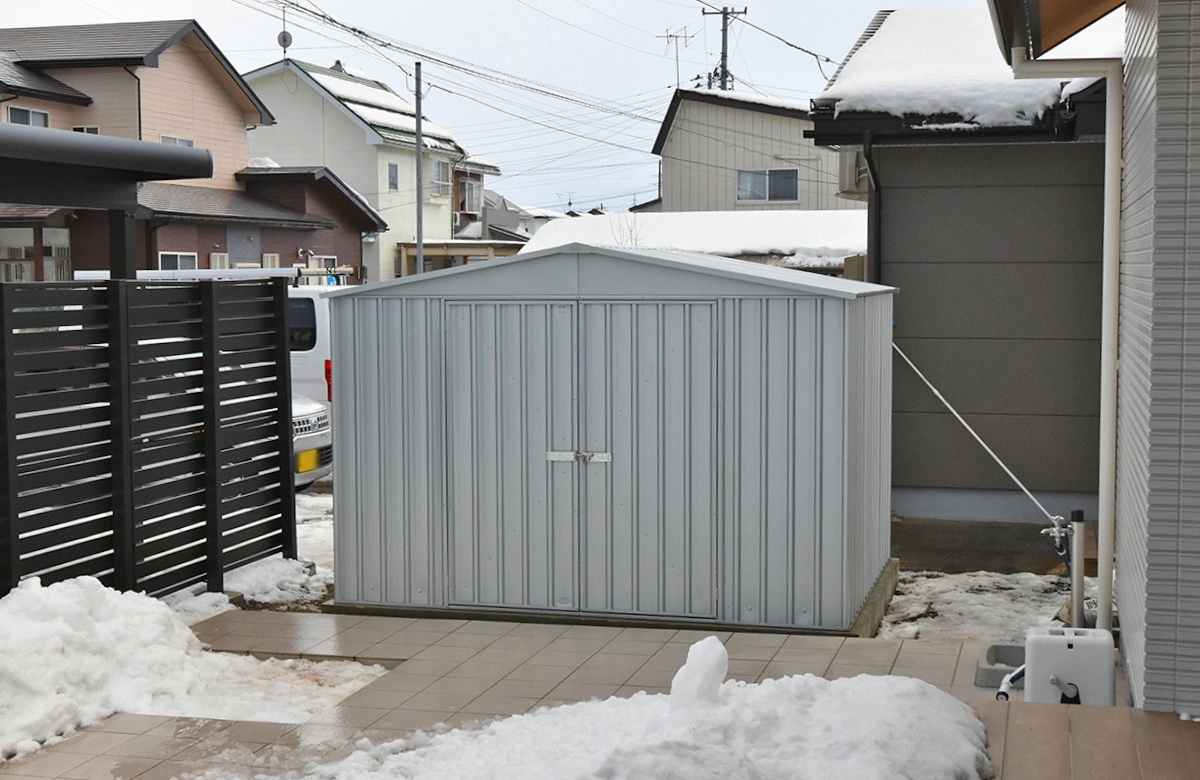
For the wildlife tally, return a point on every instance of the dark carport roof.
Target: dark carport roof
(187, 203)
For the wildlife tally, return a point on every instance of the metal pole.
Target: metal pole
(725, 48)
(420, 182)
(1078, 620)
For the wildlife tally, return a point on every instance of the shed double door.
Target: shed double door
(582, 456)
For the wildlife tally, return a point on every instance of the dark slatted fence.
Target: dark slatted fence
(146, 431)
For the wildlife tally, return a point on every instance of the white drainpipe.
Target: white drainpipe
(1111, 70)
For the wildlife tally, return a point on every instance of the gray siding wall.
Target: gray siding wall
(1158, 461)
(708, 144)
(996, 251)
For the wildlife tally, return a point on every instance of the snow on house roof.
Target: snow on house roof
(944, 60)
(375, 103)
(803, 239)
(534, 212)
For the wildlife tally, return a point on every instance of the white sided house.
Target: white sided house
(366, 132)
(728, 151)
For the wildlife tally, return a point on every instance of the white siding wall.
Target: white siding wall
(1158, 461)
(708, 144)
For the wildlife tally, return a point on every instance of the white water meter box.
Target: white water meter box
(1070, 666)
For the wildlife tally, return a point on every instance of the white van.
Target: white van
(309, 342)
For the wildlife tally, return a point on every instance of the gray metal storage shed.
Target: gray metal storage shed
(614, 432)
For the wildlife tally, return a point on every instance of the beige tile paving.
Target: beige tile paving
(457, 672)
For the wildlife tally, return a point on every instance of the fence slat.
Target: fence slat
(148, 463)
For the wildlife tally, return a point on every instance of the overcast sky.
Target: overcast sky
(595, 77)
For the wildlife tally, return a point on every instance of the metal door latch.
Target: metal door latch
(562, 456)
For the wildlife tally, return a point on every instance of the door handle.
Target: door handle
(563, 456)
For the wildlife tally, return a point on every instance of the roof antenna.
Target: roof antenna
(285, 37)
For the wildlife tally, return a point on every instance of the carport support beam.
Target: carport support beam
(122, 244)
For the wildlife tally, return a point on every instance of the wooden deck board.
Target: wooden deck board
(1167, 747)
(994, 715)
(1102, 743)
(1037, 741)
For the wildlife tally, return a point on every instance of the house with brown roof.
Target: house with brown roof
(165, 82)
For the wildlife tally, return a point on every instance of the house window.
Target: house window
(27, 116)
(393, 177)
(177, 261)
(441, 182)
(89, 129)
(16, 272)
(171, 140)
(778, 184)
(468, 195)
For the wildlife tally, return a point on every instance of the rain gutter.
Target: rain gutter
(1111, 70)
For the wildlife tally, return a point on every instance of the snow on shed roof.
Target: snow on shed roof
(805, 239)
(689, 262)
(944, 60)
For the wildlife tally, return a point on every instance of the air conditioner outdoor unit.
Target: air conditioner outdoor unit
(270, 260)
(853, 177)
(218, 260)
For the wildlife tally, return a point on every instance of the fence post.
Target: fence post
(10, 572)
(121, 433)
(283, 373)
(210, 339)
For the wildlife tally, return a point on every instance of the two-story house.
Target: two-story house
(729, 151)
(164, 82)
(363, 129)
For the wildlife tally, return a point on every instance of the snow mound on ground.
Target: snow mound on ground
(979, 605)
(75, 652)
(272, 582)
(278, 581)
(795, 727)
(698, 681)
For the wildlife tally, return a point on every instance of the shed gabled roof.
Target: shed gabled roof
(119, 45)
(756, 103)
(786, 281)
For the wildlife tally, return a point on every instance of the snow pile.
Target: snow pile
(796, 727)
(978, 605)
(804, 239)
(945, 60)
(75, 652)
(271, 582)
(262, 162)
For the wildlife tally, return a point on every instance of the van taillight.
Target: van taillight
(329, 378)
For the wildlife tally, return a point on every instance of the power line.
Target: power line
(820, 58)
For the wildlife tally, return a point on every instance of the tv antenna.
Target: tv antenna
(284, 38)
(675, 38)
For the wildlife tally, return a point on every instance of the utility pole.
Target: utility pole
(726, 13)
(674, 38)
(420, 181)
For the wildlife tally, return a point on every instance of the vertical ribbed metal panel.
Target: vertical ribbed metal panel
(648, 401)
(511, 389)
(868, 447)
(387, 450)
(783, 374)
